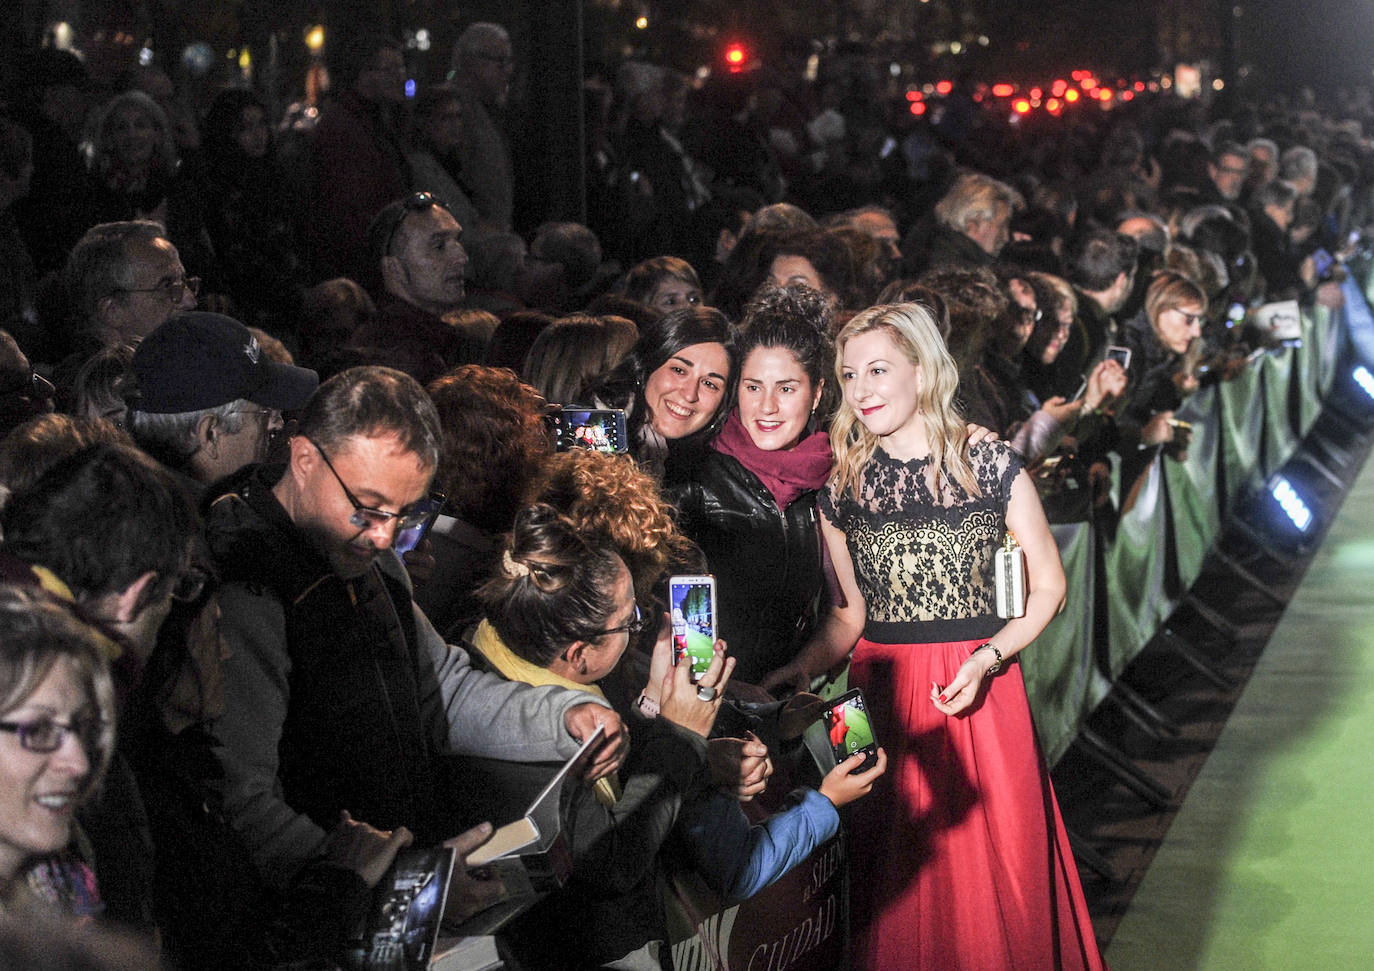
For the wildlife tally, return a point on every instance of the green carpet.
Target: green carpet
(1270, 861)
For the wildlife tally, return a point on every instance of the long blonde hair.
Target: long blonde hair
(914, 331)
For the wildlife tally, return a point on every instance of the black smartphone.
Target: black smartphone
(692, 613)
(597, 429)
(409, 538)
(851, 731)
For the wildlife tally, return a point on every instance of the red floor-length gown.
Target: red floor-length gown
(959, 858)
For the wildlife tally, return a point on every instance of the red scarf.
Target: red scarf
(788, 472)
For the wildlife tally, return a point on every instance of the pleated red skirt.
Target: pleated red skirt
(959, 856)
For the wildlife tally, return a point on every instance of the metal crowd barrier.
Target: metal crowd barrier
(1243, 431)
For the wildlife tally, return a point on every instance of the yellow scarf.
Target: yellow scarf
(514, 668)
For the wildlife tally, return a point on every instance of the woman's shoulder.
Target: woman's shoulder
(994, 452)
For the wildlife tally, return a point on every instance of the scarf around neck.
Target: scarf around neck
(512, 667)
(787, 472)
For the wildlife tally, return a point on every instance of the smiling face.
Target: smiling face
(882, 385)
(39, 791)
(775, 398)
(685, 392)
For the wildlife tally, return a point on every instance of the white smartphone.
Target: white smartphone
(692, 610)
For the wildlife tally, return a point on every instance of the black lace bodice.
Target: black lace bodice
(925, 564)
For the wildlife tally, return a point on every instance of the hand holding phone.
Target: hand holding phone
(692, 616)
(429, 508)
(850, 730)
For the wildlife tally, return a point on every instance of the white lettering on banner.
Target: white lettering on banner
(693, 954)
(823, 869)
(805, 937)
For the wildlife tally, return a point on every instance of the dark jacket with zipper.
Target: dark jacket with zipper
(766, 560)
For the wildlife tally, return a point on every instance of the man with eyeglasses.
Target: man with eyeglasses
(208, 399)
(482, 67)
(339, 692)
(122, 280)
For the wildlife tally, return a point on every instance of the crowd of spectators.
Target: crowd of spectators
(237, 350)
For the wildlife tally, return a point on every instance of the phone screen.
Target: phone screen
(407, 539)
(1323, 261)
(596, 429)
(1121, 355)
(692, 608)
(850, 729)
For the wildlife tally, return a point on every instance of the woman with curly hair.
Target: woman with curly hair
(494, 445)
(965, 860)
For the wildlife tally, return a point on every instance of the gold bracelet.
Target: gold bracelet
(997, 664)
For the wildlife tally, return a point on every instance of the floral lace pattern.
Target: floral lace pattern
(918, 558)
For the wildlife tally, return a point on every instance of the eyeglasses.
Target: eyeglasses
(172, 290)
(47, 735)
(632, 628)
(1190, 319)
(268, 413)
(369, 517)
(415, 202)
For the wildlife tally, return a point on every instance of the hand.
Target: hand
(581, 721)
(739, 765)
(1330, 295)
(841, 787)
(1106, 383)
(420, 562)
(1062, 411)
(1158, 430)
(968, 681)
(470, 891)
(661, 661)
(364, 849)
(791, 678)
(977, 435)
(680, 703)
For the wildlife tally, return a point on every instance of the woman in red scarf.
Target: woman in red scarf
(750, 501)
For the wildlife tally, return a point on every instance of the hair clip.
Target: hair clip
(513, 568)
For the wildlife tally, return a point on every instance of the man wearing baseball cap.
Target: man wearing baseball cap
(208, 399)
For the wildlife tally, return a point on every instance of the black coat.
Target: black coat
(767, 561)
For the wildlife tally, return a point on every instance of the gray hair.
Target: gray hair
(1266, 144)
(975, 196)
(1298, 162)
(1275, 193)
(171, 438)
(468, 40)
(100, 264)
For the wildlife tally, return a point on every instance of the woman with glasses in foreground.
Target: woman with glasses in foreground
(56, 735)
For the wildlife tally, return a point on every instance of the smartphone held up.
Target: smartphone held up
(692, 613)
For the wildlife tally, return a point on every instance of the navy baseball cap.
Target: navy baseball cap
(198, 360)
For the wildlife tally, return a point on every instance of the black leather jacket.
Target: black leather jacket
(767, 561)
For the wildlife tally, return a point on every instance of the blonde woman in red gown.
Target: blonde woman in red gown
(961, 859)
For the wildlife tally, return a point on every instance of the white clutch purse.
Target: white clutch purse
(1010, 579)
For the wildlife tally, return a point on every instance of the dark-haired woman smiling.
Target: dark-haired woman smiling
(672, 384)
